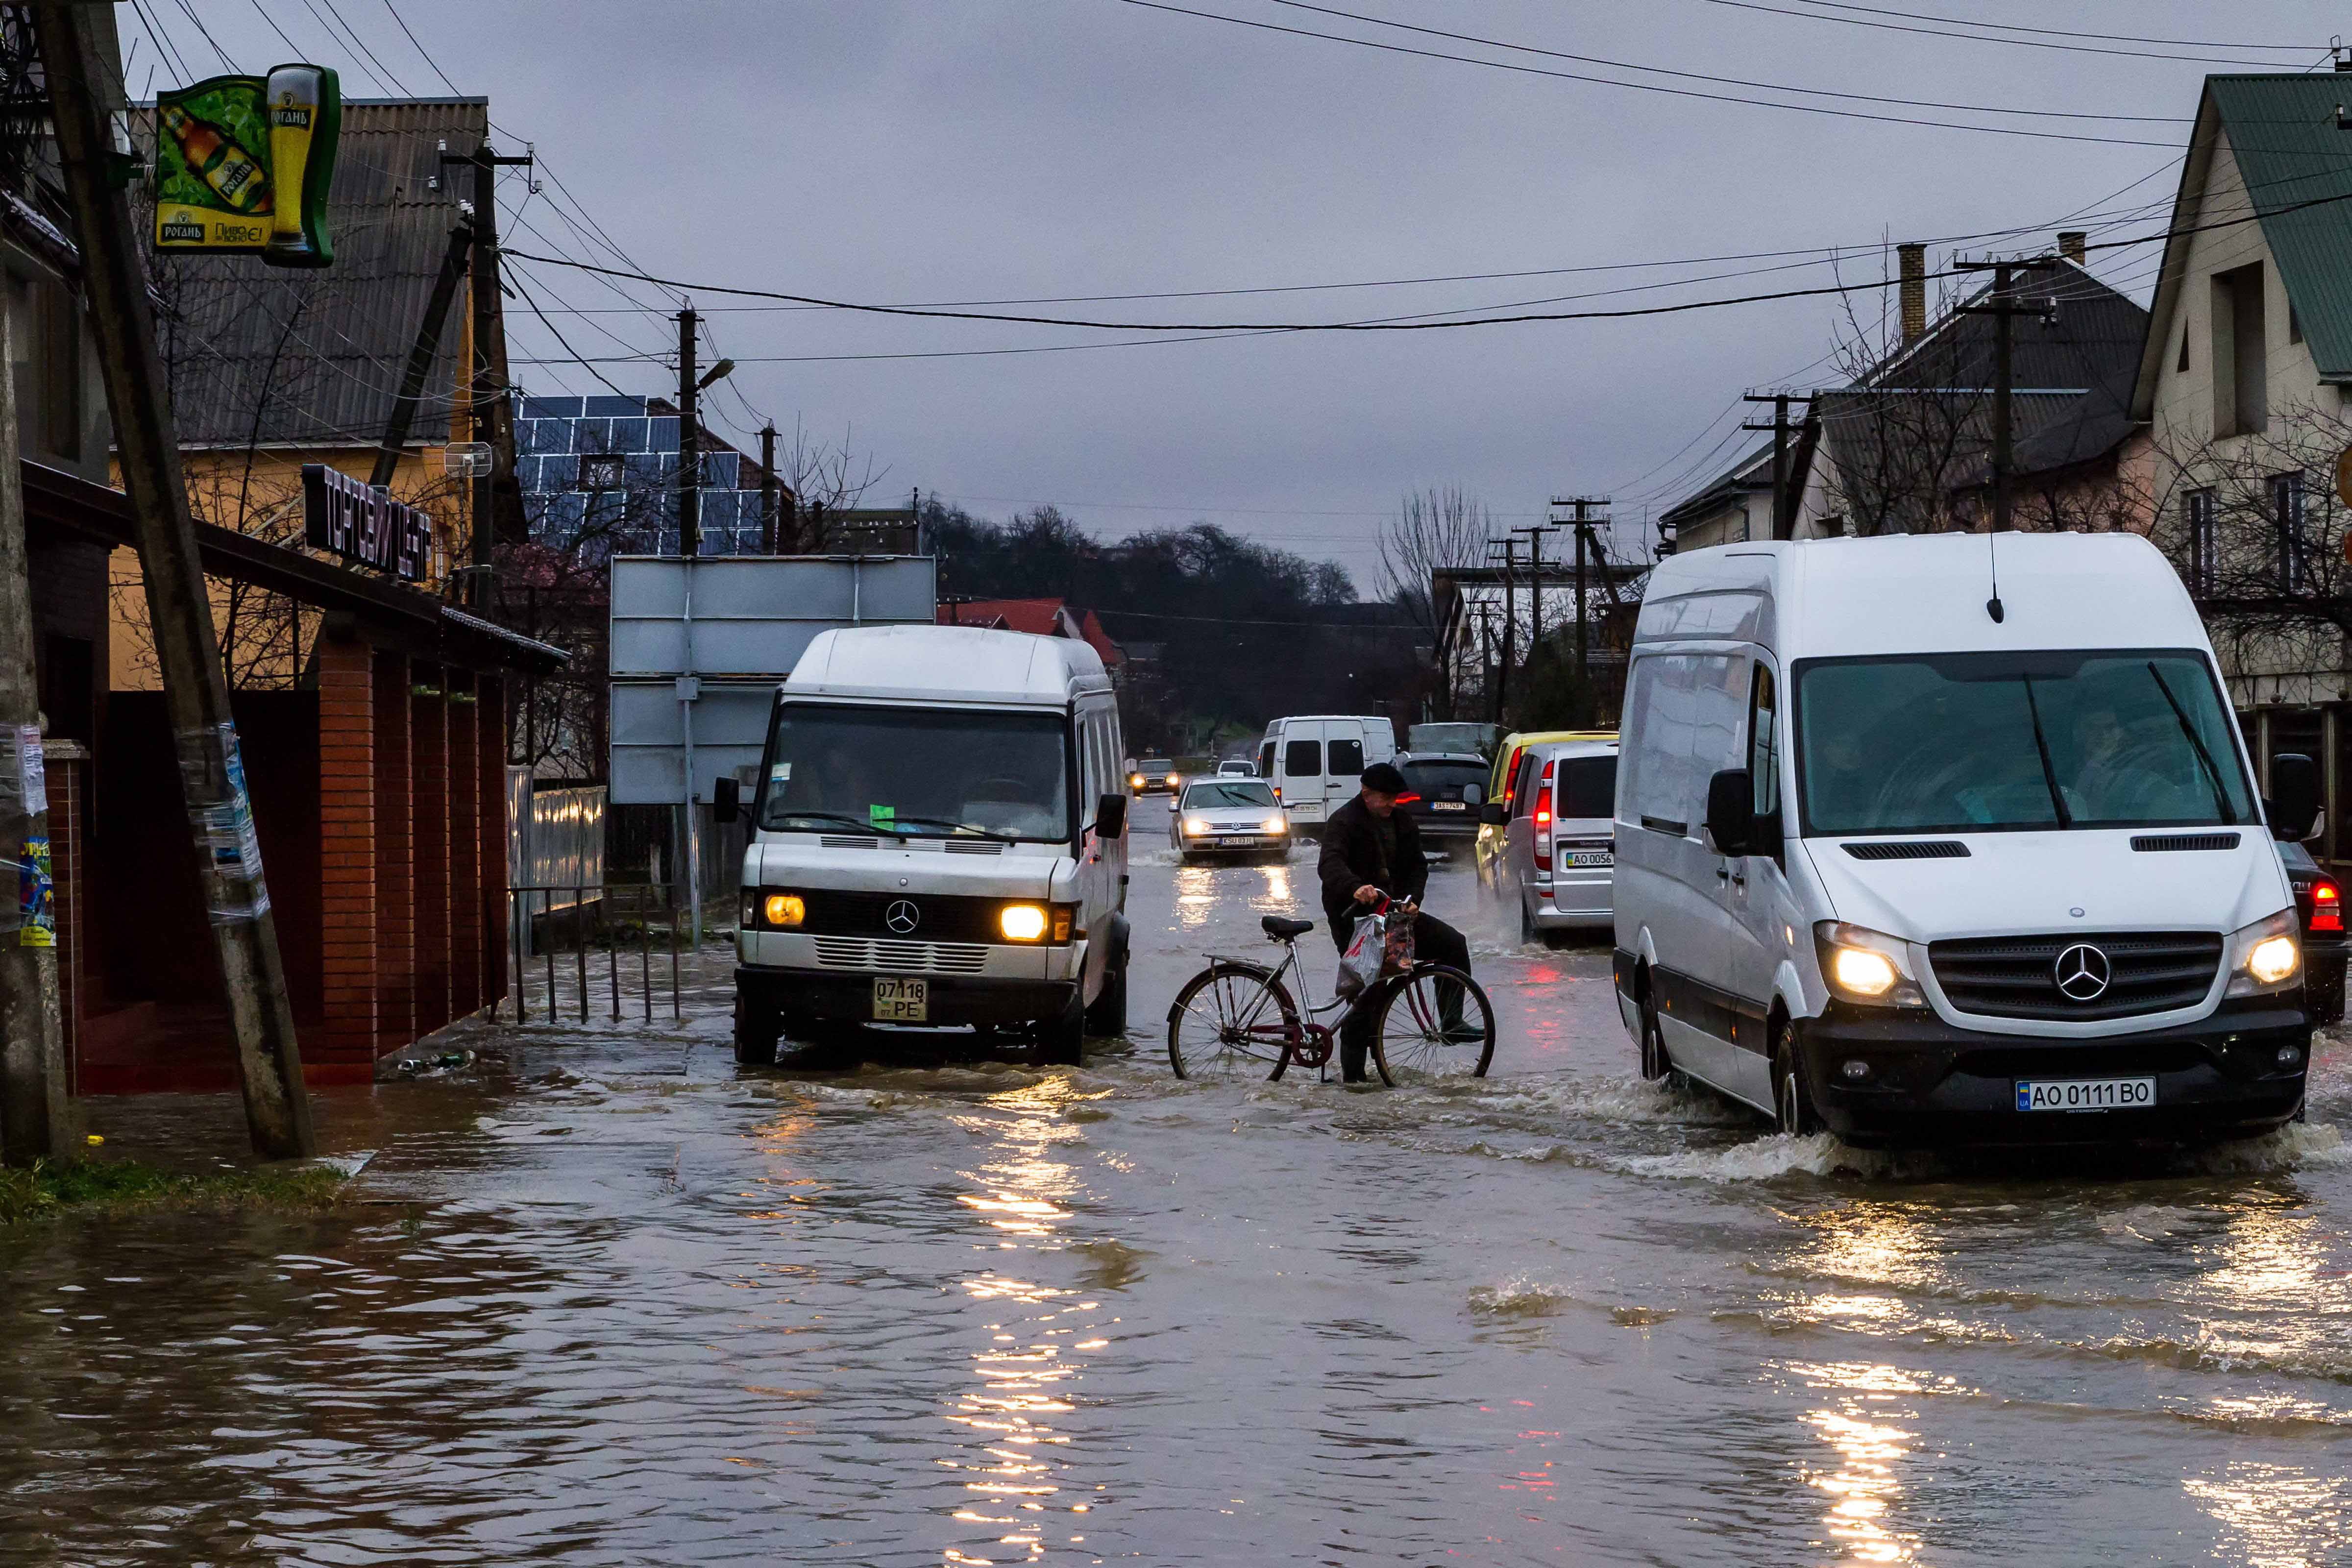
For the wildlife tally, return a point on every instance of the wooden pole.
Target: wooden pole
(195, 696)
(35, 1116)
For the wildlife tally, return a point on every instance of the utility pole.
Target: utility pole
(1784, 505)
(35, 1121)
(689, 441)
(195, 696)
(1535, 532)
(769, 544)
(1586, 546)
(421, 356)
(2002, 304)
(498, 499)
(1509, 547)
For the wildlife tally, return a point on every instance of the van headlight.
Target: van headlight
(1022, 923)
(2265, 957)
(781, 912)
(1866, 966)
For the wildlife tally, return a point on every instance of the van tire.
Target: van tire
(1107, 1017)
(1062, 1039)
(1792, 1091)
(1655, 1065)
(757, 1025)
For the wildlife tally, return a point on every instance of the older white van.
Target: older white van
(938, 837)
(1954, 838)
(1315, 762)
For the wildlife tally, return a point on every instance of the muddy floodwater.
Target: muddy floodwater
(612, 1300)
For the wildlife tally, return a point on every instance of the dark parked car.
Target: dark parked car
(1442, 792)
(2320, 901)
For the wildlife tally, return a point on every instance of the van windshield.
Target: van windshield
(927, 772)
(1979, 741)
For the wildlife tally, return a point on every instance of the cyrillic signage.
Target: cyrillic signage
(243, 165)
(361, 523)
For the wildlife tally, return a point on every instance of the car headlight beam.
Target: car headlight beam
(1866, 966)
(1022, 923)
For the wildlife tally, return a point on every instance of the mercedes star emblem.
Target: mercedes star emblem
(903, 917)
(2083, 973)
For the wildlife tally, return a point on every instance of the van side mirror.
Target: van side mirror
(1731, 812)
(726, 798)
(1494, 815)
(2293, 806)
(1110, 816)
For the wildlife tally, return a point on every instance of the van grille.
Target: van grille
(939, 917)
(2016, 976)
(900, 957)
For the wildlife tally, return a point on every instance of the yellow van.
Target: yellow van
(1488, 847)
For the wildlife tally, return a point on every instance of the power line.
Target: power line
(1980, 39)
(1726, 81)
(428, 59)
(1641, 85)
(2058, 32)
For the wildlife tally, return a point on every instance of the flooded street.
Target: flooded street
(613, 1301)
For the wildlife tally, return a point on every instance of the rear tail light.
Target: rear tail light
(2326, 907)
(1543, 812)
(1407, 799)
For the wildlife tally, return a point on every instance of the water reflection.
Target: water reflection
(1021, 1378)
(2275, 1516)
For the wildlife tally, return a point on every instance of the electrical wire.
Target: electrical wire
(1980, 39)
(1642, 85)
(432, 63)
(1726, 81)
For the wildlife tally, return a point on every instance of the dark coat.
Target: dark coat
(1351, 857)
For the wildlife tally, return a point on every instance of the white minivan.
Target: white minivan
(938, 838)
(1953, 838)
(1315, 762)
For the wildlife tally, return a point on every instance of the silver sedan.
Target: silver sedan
(1228, 818)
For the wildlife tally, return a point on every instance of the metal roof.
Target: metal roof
(2298, 167)
(280, 356)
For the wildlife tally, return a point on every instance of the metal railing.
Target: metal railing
(554, 930)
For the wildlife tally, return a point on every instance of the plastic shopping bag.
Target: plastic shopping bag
(1360, 964)
(1396, 951)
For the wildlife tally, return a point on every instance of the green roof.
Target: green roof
(2298, 169)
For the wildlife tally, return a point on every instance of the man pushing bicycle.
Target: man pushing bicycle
(1371, 852)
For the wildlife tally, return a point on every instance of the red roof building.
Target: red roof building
(1039, 617)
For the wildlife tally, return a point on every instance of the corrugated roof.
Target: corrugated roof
(1740, 478)
(2282, 130)
(280, 356)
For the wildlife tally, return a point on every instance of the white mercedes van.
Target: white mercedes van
(1315, 762)
(938, 837)
(1953, 838)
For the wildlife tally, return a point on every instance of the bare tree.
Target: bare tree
(1433, 530)
(822, 477)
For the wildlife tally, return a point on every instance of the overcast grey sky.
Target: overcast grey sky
(918, 150)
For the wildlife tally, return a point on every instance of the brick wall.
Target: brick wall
(428, 717)
(464, 848)
(498, 923)
(347, 849)
(395, 896)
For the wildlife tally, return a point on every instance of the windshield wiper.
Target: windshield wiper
(2204, 757)
(2041, 744)
(972, 828)
(860, 824)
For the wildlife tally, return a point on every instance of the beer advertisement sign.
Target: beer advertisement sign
(243, 165)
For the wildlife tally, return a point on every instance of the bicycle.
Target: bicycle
(1237, 1017)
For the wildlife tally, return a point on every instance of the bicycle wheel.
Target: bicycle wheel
(1435, 1022)
(1233, 1020)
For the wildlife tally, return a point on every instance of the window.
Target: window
(1346, 758)
(2203, 563)
(1228, 795)
(603, 471)
(1523, 793)
(1587, 788)
(2287, 516)
(2241, 353)
(1303, 759)
(1992, 742)
(1266, 761)
(833, 767)
(1443, 780)
(1764, 742)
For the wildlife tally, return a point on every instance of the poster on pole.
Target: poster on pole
(244, 164)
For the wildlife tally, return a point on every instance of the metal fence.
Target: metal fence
(570, 947)
(555, 841)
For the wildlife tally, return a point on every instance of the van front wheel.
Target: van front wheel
(1109, 1015)
(1061, 1038)
(1792, 1092)
(757, 1025)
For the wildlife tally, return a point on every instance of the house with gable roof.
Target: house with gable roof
(2242, 394)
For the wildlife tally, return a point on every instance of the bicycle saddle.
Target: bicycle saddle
(1282, 930)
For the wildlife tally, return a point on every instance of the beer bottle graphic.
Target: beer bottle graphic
(235, 175)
